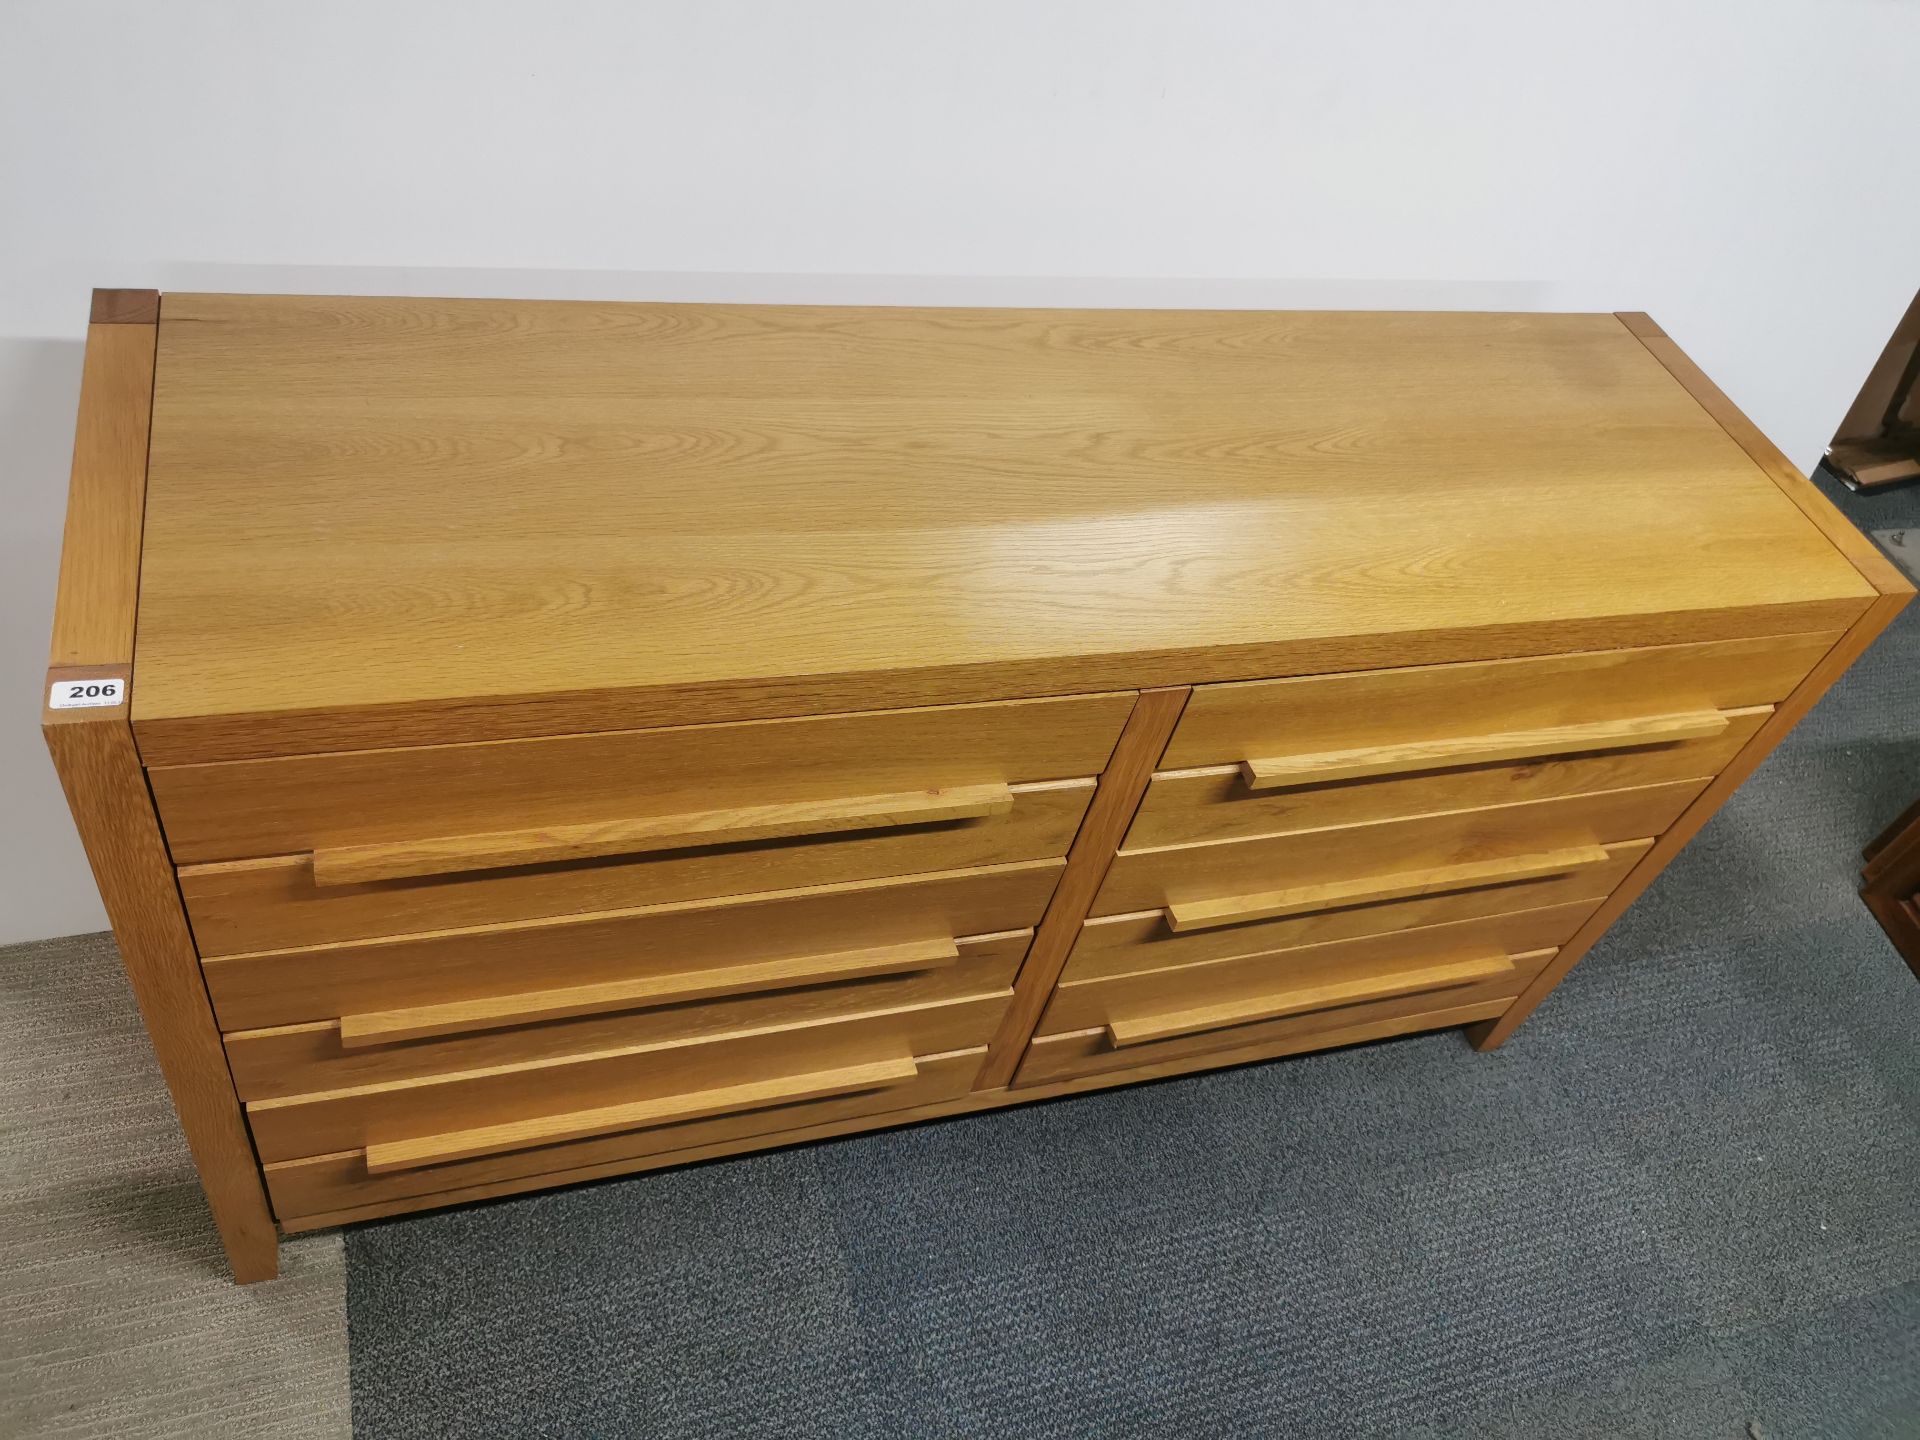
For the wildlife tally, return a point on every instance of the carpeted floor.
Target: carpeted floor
(1680, 1202)
(117, 1315)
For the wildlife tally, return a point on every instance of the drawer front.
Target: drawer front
(327, 1055)
(1201, 886)
(1080, 1054)
(419, 1124)
(248, 905)
(1185, 807)
(1145, 1006)
(325, 1184)
(308, 803)
(1302, 721)
(805, 929)
(1114, 944)
(1124, 945)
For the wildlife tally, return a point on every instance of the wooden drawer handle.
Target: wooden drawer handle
(1139, 1029)
(1286, 770)
(1299, 900)
(387, 1155)
(494, 1012)
(403, 859)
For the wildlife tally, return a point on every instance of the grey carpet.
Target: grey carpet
(117, 1314)
(1681, 1202)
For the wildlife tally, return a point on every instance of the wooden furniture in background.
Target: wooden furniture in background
(1890, 883)
(568, 739)
(1878, 442)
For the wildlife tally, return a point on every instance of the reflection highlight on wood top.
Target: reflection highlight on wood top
(378, 502)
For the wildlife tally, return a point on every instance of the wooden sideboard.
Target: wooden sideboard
(526, 742)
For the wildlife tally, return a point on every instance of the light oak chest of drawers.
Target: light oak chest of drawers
(520, 743)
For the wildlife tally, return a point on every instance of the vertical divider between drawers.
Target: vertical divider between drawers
(1121, 787)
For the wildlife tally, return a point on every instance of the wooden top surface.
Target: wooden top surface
(364, 512)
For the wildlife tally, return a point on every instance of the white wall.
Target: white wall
(1736, 167)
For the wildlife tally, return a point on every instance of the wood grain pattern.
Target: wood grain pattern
(328, 1180)
(863, 1077)
(1418, 705)
(1122, 945)
(1185, 807)
(99, 768)
(100, 772)
(1253, 979)
(1290, 771)
(333, 1182)
(249, 905)
(1893, 591)
(1107, 940)
(311, 802)
(285, 987)
(856, 509)
(1141, 1027)
(740, 824)
(1185, 874)
(1082, 1054)
(1492, 1033)
(1118, 794)
(285, 1060)
(1882, 574)
(385, 1027)
(1185, 915)
(93, 609)
(663, 576)
(384, 1111)
(292, 733)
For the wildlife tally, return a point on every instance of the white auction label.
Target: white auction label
(80, 694)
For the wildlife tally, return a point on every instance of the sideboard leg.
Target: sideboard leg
(93, 751)
(252, 1257)
(1487, 1035)
(99, 769)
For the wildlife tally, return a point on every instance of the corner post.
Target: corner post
(1892, 590)
(89, 733)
